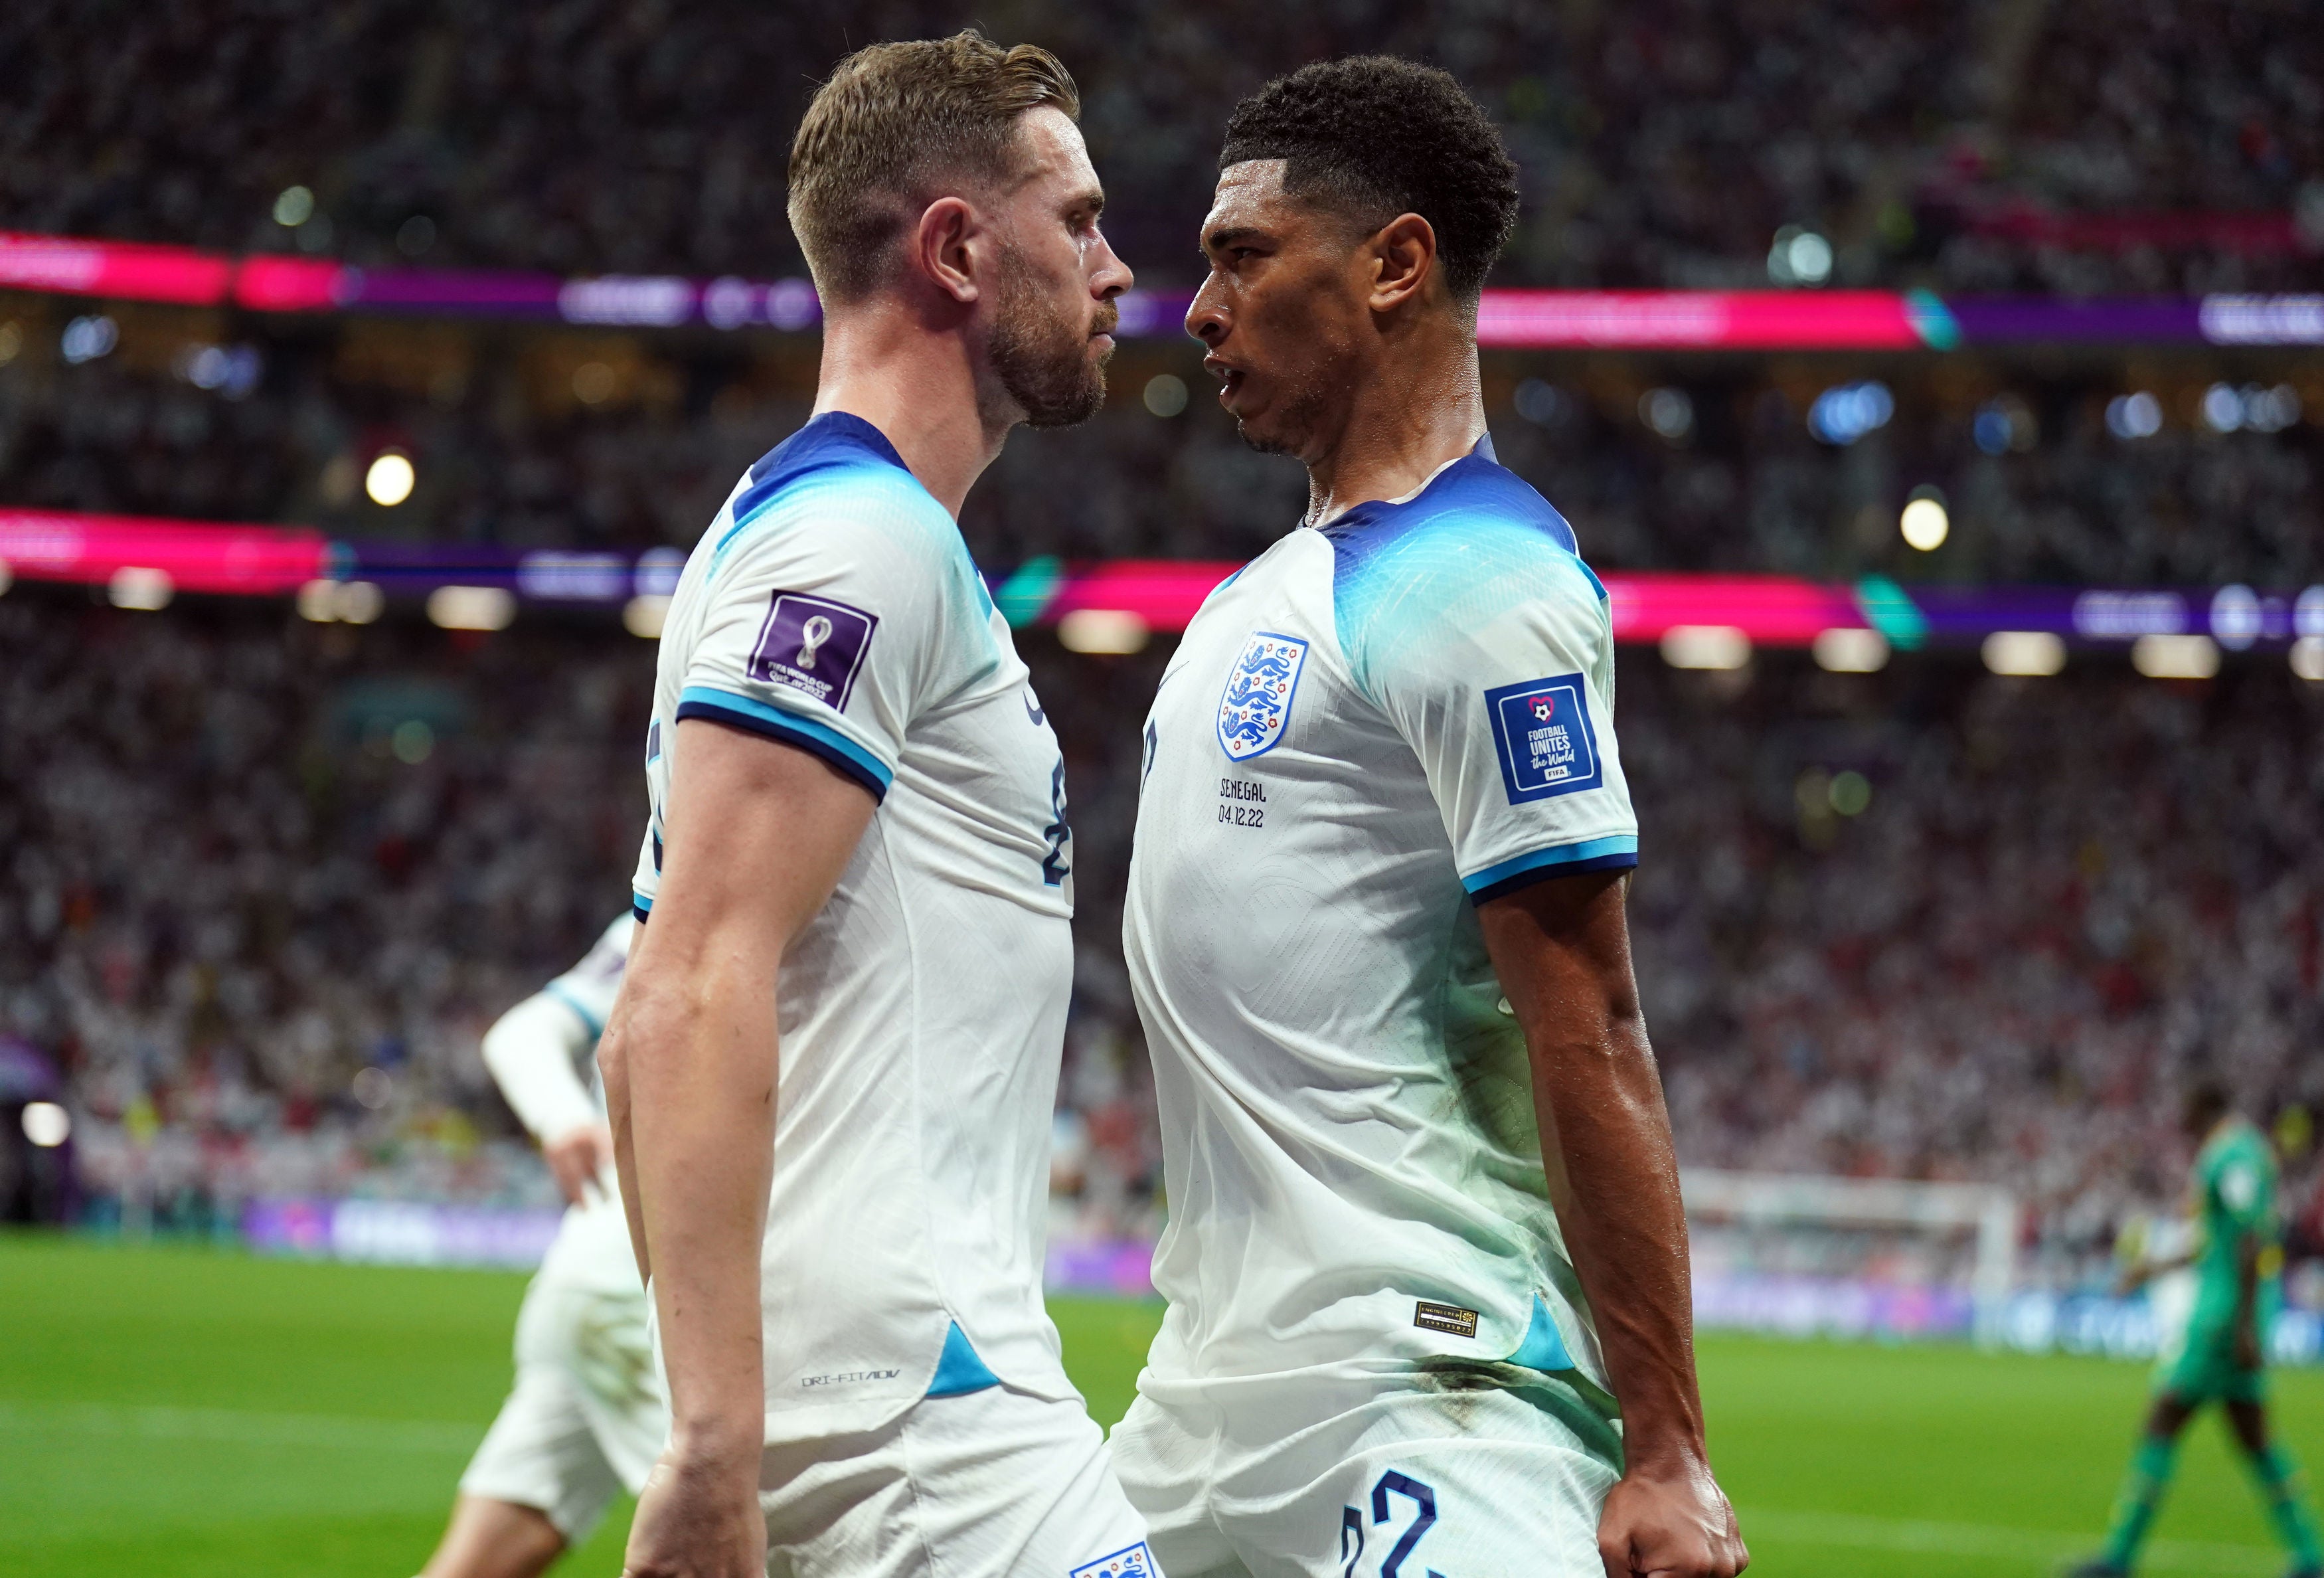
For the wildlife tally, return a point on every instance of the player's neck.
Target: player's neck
(918, 388)
(1420, 409)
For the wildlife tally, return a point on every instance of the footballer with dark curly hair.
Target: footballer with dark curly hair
(1426, 1262)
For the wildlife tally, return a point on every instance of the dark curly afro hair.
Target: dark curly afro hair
(1376, 136)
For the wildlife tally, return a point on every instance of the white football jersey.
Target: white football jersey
(1372, 727)
(832, 606)
(589, 988)
(592, 1246)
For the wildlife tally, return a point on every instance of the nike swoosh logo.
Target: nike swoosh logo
(1031, 711)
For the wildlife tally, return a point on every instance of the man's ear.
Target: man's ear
(943, 247)
(1404, 262)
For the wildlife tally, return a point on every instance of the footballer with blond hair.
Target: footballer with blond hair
(832, 1069)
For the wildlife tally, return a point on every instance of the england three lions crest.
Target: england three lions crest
(1257, 702)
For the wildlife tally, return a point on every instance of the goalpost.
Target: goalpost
(1862, 1256)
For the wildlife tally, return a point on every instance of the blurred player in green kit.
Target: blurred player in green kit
(2221, 1353)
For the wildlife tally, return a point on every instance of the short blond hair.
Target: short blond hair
(894, 122)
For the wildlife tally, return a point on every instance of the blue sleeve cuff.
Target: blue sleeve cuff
(596, 1026)
(1615, 853)
(641, 907)
(778, 724)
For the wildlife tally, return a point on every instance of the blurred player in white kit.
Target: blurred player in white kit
(586, 1416)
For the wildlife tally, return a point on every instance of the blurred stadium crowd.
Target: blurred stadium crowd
(2079, 145)
(270, 880)
(266, 883)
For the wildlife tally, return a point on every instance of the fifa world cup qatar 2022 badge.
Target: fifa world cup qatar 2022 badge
(1260, 686)
(813, 645)
(1544, 736)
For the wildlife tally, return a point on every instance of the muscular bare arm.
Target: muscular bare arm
(1561, 948)
(755, 838)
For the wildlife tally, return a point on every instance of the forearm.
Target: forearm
(696, 1150)
(529, 1052)
(1606, 1142)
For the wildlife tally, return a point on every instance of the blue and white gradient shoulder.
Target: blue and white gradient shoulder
(839, 459)
(1452, 562)
(1466, 616)
(836, 601)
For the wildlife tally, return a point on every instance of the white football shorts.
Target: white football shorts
(587, 1417)
(1398, 1480)
(988, 1484)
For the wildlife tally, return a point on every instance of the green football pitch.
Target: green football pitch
(167, 1412)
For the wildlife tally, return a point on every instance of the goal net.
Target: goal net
(1853, 1256)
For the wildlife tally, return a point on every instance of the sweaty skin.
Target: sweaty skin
(1347, 350)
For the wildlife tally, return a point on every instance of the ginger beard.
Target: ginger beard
(1040, 356)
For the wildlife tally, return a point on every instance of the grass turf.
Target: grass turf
(182, 1412)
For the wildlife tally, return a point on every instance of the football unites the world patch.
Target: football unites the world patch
(1130, 1562)
(1257, 702)
(814, 645)
(1543, 733)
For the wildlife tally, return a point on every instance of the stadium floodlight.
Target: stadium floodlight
(2238, 618)
(46, 1124)
(1670, 412)
(1846, 411)
(1925, 521)
(1799, 256)
(2175, 657)
(390, 478)
(1706, 646)
(87, 338)
(324, 601)
(472, 607)
(143, 589)
(2308, 659)
(2024, 653)
(1843, 649)
(1104, 631)
(360, 601)
(645, 614)
(2137, 415)
(294, 207)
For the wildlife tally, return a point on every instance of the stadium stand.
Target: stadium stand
(267, 882)
(254, 858)
(1988, 146)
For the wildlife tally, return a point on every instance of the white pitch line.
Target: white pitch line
(2040, 1547)
(240, 1428)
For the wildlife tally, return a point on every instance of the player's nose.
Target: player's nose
(1206, 315)
(1112, 276)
